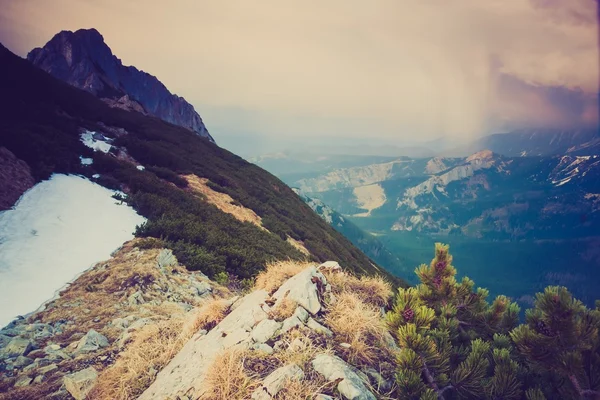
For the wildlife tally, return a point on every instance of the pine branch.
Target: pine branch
(583, 392)
(432, 384)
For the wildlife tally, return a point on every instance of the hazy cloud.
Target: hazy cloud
(408, 69)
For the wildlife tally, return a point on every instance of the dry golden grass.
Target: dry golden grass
(306, 389)
(298, 245)
(301, 347)
(359, 324)
(226, 377)
(152, 348)
(222, 201)
(283, 310)
(371, 289)
(278, 272)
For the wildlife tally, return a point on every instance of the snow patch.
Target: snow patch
(57, 229)
(140, 167)
(96, 141)
(86, 161)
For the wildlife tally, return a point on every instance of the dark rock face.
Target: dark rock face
(15, 179)
(83, 60)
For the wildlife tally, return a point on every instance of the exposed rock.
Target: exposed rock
(322, 396)
(121, 323)
(136, 298)
(330, 266)
(92, 341)
(317, 327)
(265, 348)
(83, 59)
(80, 383)
(38, 379)
(290, 323)
(47, 369)
(351, 385)
(345, 345)
(265, 330)
(15, 178)
(276, 380)
(22, 381)
(380, 383)
(302, 314)
(165, 258)
(202, 288)
(189, 366)
(17, 347)
(239, 335)
(302, 288)
(4, 340)
(22, 361)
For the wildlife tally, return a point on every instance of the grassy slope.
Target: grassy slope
(40, 120)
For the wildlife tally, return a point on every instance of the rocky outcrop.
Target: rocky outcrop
(15, 178)
(83, 60)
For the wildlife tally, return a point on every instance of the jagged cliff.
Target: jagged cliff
(84, 60)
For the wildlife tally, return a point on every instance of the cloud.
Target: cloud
(408, 69)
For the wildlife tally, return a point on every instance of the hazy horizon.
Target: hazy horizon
(276, 75)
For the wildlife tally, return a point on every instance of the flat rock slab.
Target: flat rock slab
(186, 371)
(303, 288)
(351, 386)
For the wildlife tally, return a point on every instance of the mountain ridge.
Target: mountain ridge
(84, 60)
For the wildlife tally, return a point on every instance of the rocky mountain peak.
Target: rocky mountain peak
(84, 60)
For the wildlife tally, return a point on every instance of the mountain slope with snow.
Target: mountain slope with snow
(57, 229)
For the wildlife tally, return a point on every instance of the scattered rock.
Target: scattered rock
(136, 298)
(47, 369)
(22, 381)
(334, 368)
(38, 379)
(317, 327)
(303, 289)
(301, 313)
(276, 380)
(290, 323)
(322, 396)
(345, 345)
(381, 384)
(265, 330)
(17, 347)
(22, 361)
(165, 259)
(4, 340)
(237, 336)
(80, 383)
(203, 288)
(330, 266)
(265, 348)
(92, 341)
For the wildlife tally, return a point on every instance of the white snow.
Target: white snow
(86, 161)
(57, 229)
(140, 167)
(88, 139)
(96, 176)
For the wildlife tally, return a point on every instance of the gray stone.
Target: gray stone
(4, 340)
(22, 361)
(302, 288)
(38, 379)
(317, 327)
(17, 347)
(237, 336)
(345, 345)
(381, 384)
(92, 341)
(330, 266)
(277, 379)
(322, 396)
(23, 381)
(136, 299)
(263, 347)
(47, 369)
(80, 383)
(51, 348)
(301, 313)
(203, 288)
(290, 323)
(165, 259)
(350, 385)
(265, 330)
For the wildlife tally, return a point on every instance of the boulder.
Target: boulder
(92, 341)
(290, 323)
(317, 327)
(17, 347)
(350, 384)
(22, 361)
(4, 340)
(203, 288)
(265, 348)
(277, 379)
(330, 266)
(265, 330)
(238, 335)
(136, 299)
(165, 259)
(80, 383)
(23, 381)
(47, 369)
(303, 288)
(302, 314)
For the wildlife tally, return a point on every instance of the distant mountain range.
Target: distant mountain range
(84, 60)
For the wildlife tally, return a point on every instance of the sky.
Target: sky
(292, 72)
